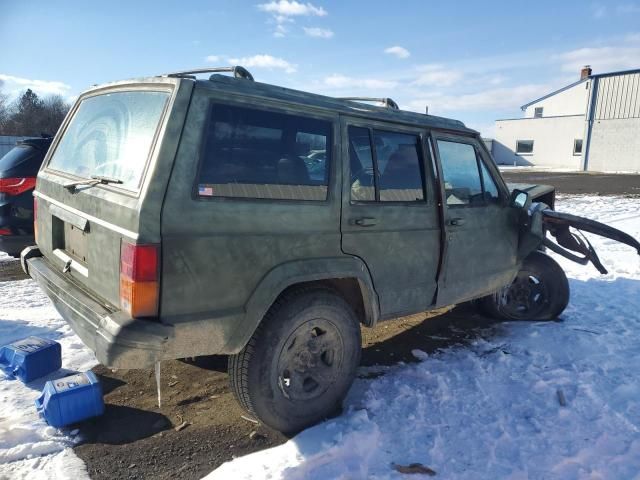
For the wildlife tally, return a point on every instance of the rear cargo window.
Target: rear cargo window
(252, 153)
(111, 135)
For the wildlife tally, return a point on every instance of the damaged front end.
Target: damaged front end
(562, 233)
(559, 224)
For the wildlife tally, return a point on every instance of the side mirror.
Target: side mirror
(519, 199)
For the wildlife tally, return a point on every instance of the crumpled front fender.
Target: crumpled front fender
(539, 219)
(558, 225)
(532, 231)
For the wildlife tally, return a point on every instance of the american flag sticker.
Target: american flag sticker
(205, 190)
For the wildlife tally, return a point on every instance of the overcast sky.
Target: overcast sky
(474, 61)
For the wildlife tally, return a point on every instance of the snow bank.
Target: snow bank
(491, 409)
(29, 448)
(485, 410)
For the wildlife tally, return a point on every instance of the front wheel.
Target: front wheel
(300, 362)
(540, 291)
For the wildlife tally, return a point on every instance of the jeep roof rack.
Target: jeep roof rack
(237, 70)
(387, 102)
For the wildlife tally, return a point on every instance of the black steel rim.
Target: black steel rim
(310, 360)
(526, 298)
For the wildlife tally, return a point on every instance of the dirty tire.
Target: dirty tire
(539, 292)
(300, 362)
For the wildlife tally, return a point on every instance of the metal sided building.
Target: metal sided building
(592, 125)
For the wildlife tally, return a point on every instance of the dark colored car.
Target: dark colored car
(18, 171)
(179, 217)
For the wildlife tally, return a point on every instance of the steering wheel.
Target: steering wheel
(364, 171)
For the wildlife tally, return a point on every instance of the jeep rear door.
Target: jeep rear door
(481, 230)
(252, 191)
(389, 212)
(115, 132)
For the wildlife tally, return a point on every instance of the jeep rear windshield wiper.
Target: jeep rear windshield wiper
(90, 182)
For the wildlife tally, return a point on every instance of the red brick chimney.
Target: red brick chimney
(585, 72)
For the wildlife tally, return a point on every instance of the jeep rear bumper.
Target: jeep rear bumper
(117, 340)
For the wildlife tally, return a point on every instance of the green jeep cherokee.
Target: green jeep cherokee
(178, 217)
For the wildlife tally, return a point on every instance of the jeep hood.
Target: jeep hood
(533, 190)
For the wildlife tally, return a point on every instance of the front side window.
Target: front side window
(465, 174)
(391, 171)
(252, 153)
(524, 146)
(462, 184)
(111, 135)
(490, 187)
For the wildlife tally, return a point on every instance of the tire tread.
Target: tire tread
(238, 365)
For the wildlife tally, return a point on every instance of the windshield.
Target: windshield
(110, 135)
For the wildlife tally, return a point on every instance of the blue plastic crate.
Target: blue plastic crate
(30, 358)
(71, 399)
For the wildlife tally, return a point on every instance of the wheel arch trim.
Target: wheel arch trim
(292, 273)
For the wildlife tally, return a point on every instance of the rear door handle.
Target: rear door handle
(364, 221)
(456, 222)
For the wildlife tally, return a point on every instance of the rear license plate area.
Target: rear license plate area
(70, 239)
(75, 243)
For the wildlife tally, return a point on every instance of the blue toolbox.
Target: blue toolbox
(71, 399)
(30, 358)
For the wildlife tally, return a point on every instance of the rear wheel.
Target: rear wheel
(540, 291)
(300, 362)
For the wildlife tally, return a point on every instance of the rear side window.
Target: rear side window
(399, 167)
(111, 135)
(363, 177)
(252, 153)
(391, 171)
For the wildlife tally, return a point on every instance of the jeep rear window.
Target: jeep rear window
(111, 135)
(251, 153)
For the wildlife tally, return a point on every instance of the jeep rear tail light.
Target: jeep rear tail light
(139, 279)
(16, 186)
(5, 231)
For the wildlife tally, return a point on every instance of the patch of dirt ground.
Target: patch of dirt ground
(136, 439)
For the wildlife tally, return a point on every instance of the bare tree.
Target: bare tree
(30, 115)
(4, 111)
(54, 109)
(27, 110)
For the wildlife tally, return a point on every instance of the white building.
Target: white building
(592, 124)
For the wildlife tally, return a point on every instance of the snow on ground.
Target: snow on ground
(29, 449)
(490, 409)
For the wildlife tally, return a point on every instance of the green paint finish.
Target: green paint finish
(224, 261)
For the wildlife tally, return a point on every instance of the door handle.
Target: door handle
(456, 222)
(364, 221)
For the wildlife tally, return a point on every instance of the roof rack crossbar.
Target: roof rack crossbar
(237, 70)
(387, 102)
